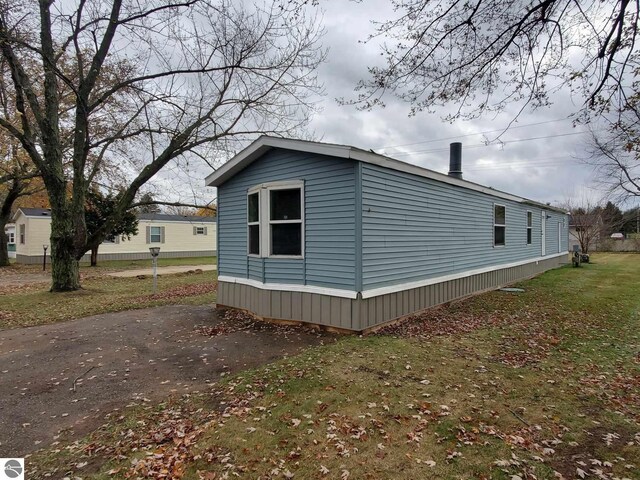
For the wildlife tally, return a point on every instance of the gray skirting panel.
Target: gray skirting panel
(363, 314)
(37, 259)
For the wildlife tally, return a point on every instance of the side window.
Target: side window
(529, 227)
(499, 225)
(253, 223)
(12, 237)
(275, 220)
(155, 234)
(285, 221)
(22, 233)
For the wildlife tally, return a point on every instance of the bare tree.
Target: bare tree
(174, 81)
(614, 150)
(16, 180)
(592, 222)
(483, 55)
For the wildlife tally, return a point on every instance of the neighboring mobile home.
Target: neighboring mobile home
(343, 237)
(176, 235)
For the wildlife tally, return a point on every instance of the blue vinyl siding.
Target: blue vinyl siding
(329, 258)
(414, 228)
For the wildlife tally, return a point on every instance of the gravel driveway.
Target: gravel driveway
(115, 358)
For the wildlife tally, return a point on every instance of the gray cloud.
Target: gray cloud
(545, 169)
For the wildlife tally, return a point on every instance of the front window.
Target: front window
(275, 218)
(285, 221)
(12, 237)
(155, 234)
(529, 227)
(499, 225)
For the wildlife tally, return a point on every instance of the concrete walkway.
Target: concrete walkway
(163, 270)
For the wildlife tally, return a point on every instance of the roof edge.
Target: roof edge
(266, 143)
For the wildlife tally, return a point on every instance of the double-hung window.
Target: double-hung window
(499, 225)
(12, 237)
(275, 220)
(22, 230)
(253, 222)
(529, 227)
(155, 234)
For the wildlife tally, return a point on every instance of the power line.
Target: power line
(479, 145)
(472, 134)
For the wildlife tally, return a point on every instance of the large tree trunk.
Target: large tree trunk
(5, 215)
(65, 273)
(94, 256)
(4, 250)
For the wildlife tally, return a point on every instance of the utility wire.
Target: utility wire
(472, 134)
(479, 145)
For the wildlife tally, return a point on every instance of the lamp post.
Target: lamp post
(155, 251)
(44, 258)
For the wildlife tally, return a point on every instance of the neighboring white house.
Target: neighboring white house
(176, 235)
(10, 230)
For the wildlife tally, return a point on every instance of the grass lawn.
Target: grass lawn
(543, 384)
(111, 265)
(34, 305)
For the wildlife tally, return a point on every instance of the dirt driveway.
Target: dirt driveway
(121, 357)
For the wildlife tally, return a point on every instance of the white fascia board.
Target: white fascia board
(262, 145)
(445, 278)
(335, 292)
(15, 216)
(290, 287)
(265, 143)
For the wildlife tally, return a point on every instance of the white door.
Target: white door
(559, 237)
(543, 234)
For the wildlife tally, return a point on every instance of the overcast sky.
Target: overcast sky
(544, 169)
(538, 157)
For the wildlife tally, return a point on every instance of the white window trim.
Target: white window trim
(264, 212)
(12, 238)
(529, 228)
(151, 227)
(249, 193)
(499, 225)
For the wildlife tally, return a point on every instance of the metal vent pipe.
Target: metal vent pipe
(455, 160)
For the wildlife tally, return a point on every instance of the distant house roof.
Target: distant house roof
(160, 217)
(34, 212)
(265, 143)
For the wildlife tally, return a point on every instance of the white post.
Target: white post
(155, 275)
(155, 251)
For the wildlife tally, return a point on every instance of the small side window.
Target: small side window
(155, 235)
(22, 233)
(499, 225)
(253, 223)
(529, 227)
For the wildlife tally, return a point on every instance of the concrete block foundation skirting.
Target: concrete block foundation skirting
(37, 259)
(358, 315)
